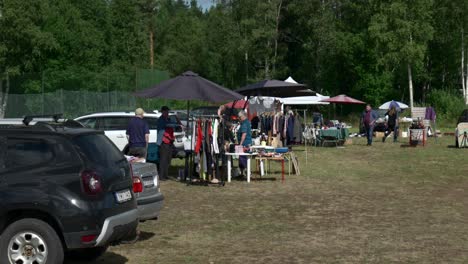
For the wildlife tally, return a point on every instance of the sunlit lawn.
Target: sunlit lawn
(358, 204)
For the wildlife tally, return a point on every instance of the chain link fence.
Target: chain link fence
(78, 94)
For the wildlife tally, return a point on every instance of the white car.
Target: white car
(114, 125)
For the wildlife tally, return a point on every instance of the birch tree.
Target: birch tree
(402, 30)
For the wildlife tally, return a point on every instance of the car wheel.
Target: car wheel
(30, 241)
(86, 254)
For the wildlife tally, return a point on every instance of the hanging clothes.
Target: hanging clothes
(290, 129)
(215, 136)
(297, 129)
(255, 121)
(275, 125)
(198, 144)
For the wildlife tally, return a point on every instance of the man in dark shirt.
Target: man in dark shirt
(138, 135)
(369, 117)
(165, 141)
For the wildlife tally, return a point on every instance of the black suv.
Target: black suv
(63, 190)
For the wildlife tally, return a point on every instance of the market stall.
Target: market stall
(190, 86)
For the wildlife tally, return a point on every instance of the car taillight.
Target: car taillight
(137, 185)
(91, 182)
(88, 239)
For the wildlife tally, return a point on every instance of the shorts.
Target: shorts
(138, 152)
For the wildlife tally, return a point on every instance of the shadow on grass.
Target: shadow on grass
(145, 236)
(263, 179)
(408, 146)
(108, 257)
(454, 147)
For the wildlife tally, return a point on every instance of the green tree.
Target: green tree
(401, 30)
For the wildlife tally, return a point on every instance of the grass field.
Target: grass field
(358, 204)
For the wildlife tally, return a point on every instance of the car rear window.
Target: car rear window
(115, 122)
(99, 149)
(152, 122)
(20, 152)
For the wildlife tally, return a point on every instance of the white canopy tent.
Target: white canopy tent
(305, 100)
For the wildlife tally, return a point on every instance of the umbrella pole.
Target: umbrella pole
(188, 154)
(305, 140)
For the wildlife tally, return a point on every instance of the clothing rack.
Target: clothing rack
(214, 158)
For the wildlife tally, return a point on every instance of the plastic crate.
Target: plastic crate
(417, 137)
(153, 152)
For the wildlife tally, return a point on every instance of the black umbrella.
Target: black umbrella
(190, 86)
(275, 88)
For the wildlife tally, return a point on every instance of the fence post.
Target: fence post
(108, 94)
(63, 105)
(42, 92)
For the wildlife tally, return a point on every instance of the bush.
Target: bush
(448, 105)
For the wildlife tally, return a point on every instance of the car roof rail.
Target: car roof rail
(45, 125)
(54, 126)
(73, 124)
(28, 119)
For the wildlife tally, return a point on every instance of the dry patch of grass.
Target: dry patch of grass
(379, 204)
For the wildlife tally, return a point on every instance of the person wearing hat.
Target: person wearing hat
(138, 135)
(165, 141)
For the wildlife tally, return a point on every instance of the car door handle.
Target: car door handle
(120, 136)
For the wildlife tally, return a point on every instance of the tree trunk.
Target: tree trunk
(4, 96)
(410, 84)
(151, 36)
(2, 115)
(246, 67)
(267, 68)
(466, 84)
(463, 76)
(278, 15)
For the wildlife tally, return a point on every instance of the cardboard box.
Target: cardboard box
(379, 134)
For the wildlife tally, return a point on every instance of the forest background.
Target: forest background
(373, 50)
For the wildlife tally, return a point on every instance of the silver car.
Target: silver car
(147, 190)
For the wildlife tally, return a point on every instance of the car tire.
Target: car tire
(34, 237)
(86, 254)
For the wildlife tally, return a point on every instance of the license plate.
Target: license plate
(148, 183)
(123, 196)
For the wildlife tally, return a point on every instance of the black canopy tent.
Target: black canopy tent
(275, 88)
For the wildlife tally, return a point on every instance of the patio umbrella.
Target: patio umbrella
(237, 104)
(190, 86)
(275, 88)
(342, 99)
(397, 104)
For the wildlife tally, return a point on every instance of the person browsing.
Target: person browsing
(165, 141)
(138, 134)
(369, 117)
(392, 124)
(244, 136)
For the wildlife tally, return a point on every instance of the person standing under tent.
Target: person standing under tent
(392, 124)
(165, 141)
(369, 117)
(244, 136)
(138, 135)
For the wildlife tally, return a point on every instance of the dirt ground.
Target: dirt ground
(358, 204)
